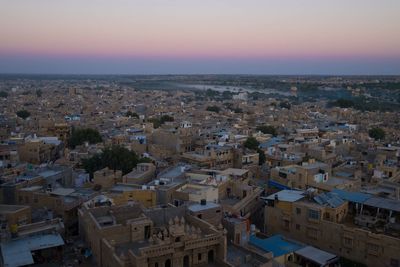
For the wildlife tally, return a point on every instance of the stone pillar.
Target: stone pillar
(221, 250)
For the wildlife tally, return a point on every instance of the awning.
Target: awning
(316, 255)
(19, 252)
(14, 254)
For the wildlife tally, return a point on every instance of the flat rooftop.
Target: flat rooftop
(287, 195)
(48, 173)
(230, 201)
(62, 191)
(276, 244)
(316, 255)
(32, 188)
(172, 172)
(135, 173)
(333, 181)
(383, 203)
(134, 246)
(235, 172)
(18, 252)
(191, 189)
(355, 197)
(200, 207)
(4, 209)
(314, 165)
(123, 188)
(238, 256)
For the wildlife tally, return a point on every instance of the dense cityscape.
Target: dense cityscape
(184, 133)
(199, 170)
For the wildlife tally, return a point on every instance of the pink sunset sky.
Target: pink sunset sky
(134, 35)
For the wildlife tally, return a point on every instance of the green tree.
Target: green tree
(23, 114)
(166, 118)
(156, 122)
(285, 104)
(145, 160)
(80, 136)
(251, 143)
(261, 157)
(119, 158)
(213, 109)
(212, 93)
(93, 164)
(237, 110)
(3, 94)
(227, 95)
(267, 129)
(343, 103)
(131, 114)
(377, 133)
(114, 157)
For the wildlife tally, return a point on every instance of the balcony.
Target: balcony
(202, 242)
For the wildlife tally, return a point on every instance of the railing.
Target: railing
(192, 244)
(156, 251)
(43, 226)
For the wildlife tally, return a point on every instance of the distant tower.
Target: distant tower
(293, 91)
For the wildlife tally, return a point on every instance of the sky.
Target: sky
(197, 37)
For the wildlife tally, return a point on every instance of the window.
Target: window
(298, 227)
(312, 233)
(282, 175)
(147, 232)
(313, 214)
(237, 239)
(373, 248)
(22, 221)
(199, 256)
(298, 210)
(348, 242)
(286, 224)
